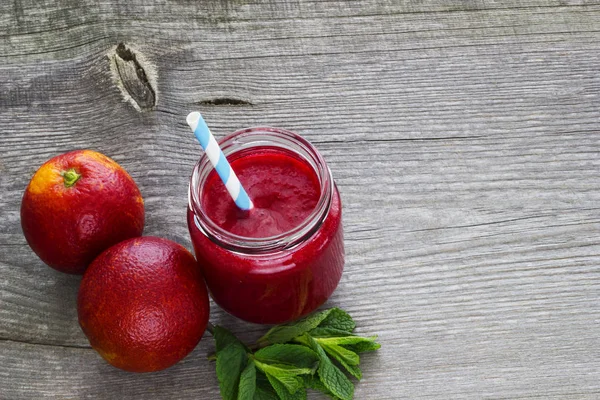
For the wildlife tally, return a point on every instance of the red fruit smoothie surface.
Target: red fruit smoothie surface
(282, 285)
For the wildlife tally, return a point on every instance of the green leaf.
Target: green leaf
(231, 361)
(355, 344)
(291, 382)
(340, 353)
(285, 333)
(344, 350)
(347, 340)
(323, 346)
(338, 319)
(284, 393)
(352, 342)
(313, 382)
(291, 354)
(348, 359)
(354, 370)
(328, 332)
(264, 394)
(264, 390)
(224, 338)
(282, 370)
(261, 379)
(361, 347)
(331, 376)
(247, 382)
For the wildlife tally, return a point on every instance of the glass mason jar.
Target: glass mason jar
(273, 279)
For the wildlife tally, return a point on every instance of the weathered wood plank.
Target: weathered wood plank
(463, 136)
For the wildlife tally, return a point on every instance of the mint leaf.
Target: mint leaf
(344, 350)
(224, 338)
(348, 359)
(328, 332)
(347, 340)
(338, 319)
(247, 385)
(279, 370)
(285, 333)
(291, 354)
(264, 390)
(361, 347)
(286, 375)
(231, 361)
(340, 353)
(310, 353)
(284, 393)
(312, 382)
(264, 394)
(291, 382)
(356, 344)
(261, 379)
(354, 370)
(331, 376)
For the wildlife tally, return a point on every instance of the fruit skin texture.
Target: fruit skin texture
(143, 304)
(67, 227)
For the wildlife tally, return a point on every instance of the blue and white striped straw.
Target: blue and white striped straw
(218, 160)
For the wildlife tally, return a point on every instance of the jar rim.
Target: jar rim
(263, 136)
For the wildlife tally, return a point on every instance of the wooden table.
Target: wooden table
(464, 137)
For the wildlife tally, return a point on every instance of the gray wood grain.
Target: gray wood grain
(464, 137)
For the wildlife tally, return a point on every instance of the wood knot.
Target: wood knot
(134, 76)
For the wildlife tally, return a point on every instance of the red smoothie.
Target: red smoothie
(283, 188)
(282, 259)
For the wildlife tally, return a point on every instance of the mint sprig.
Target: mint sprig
(232, 358)
(290, 354)
(291, 358)
(247, 386)
(264, 390)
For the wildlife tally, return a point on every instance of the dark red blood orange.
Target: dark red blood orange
(77, 205)
(143, 304)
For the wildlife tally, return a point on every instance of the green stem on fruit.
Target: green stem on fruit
(70, 177)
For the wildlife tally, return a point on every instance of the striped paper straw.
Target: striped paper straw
(218, 160)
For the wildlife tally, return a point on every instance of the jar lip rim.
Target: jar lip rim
(283, 240)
